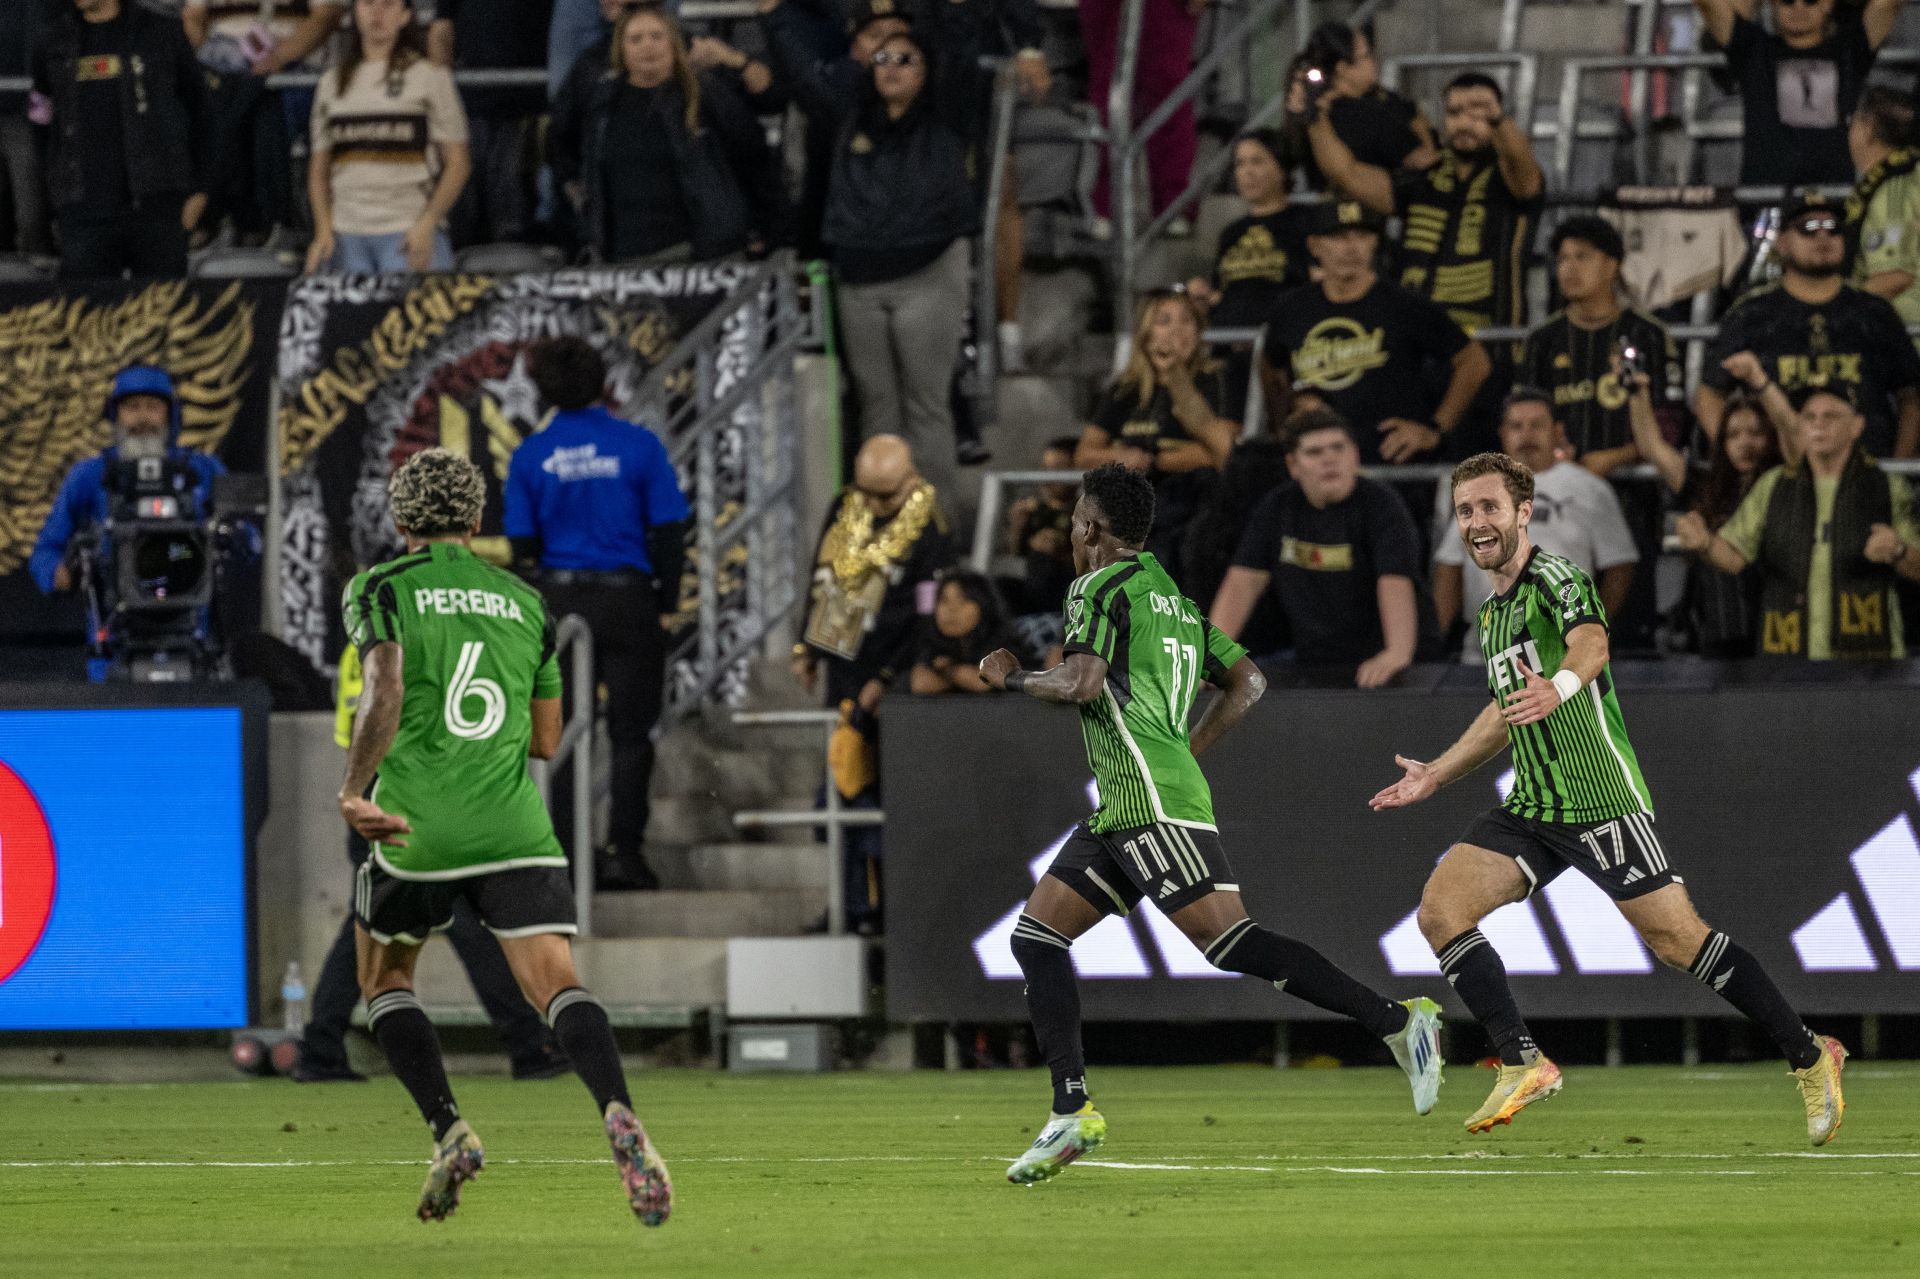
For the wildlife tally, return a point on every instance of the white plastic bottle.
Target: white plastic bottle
(293, 997)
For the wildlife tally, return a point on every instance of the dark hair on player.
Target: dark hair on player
(568, 372)
(1300, 425)
(1519, 479)
(1124, 497)
(1591, 229)
(437, 493)
(1475, 80)
(1888, 113)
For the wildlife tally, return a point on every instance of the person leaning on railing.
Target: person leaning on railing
(389, 150)
(673, 166)
(1721, 610)
(1832, 535)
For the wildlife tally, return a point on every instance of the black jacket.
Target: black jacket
(163, 108)
(896, 184)
(728, 174)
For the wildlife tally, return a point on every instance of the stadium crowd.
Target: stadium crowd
(1375, 245)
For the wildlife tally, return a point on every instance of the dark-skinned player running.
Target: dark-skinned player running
(1136, 654)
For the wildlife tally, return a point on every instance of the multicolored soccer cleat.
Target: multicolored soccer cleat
(457, 1159)
(1416, 1046)
(642, 1172)
(1820, 1090)
(1063, 1140)
(1517, 1088)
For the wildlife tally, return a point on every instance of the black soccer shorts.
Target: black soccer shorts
(1622, 856)
(521, 902)
(1172, 866)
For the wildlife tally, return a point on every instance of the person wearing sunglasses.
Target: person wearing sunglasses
(1812, 328)
(1799, 83)
(901, 207)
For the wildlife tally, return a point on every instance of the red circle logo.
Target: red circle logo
(26, 872)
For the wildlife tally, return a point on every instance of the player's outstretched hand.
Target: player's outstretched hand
(1536, 700)
(997, 665)
(373, 824)
(1418, 783)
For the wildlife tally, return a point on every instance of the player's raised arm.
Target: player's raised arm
(1079, 679)
(375, 725)
(1241, 685)
(1484, 738)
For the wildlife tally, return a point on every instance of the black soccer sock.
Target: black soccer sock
(1474, 970)
(586, 1036)
(1053, 1002)
(1303, 972)
(1737, 977)
(406, 1036)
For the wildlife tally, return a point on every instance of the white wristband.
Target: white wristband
(1568, 684)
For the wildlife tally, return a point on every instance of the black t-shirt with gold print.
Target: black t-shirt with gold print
(1466, 240)
(1368, 358)
(1575, 365)
(1259, 259)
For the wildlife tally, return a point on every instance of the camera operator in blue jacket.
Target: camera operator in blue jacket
(144, 409)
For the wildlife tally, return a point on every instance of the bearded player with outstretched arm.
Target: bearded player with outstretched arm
(1578, 800)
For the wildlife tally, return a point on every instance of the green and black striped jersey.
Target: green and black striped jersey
(1575, 765)
(1158, 646)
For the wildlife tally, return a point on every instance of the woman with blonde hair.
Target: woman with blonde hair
(673, 166)
(1165, 415)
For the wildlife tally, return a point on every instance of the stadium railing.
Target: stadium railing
(833, 814)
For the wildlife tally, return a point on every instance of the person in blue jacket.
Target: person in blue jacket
(595, 515)
(144, 409)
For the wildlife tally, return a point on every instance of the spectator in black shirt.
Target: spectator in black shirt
(1361, 344)
(1039, 528)
(1469, 218)
(24, 223)
(501, 121)
(1164, 415)
(1343, 558)
(129, 157)
(1813, 329)
(968, 622)
(1572, 355)
(1380, 127)
(1263, 254)
(673, 165)
(901, 204)
(1799, 85)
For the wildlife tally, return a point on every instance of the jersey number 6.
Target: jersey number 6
(466, 684)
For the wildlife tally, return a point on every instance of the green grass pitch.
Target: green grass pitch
(1216, 1171)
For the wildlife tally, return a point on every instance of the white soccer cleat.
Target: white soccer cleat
(1063, 1140)
(1416, 1046)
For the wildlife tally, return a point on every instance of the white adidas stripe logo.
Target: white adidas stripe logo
(1888, 868)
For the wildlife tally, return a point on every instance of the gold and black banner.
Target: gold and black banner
(374, 369)
(60, 347)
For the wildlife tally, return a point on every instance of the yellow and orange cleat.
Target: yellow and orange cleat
(1820, 1090)
(1517, 1088)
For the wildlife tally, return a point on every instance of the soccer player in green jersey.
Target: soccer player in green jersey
(1578, 800)
(1136, 653)
(461, 686)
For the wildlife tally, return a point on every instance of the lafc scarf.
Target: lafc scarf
(1862, 591)
(1892, 165)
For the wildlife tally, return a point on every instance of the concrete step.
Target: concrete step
(743, 866)
(746, 775)
(766, 912)
(621, 971)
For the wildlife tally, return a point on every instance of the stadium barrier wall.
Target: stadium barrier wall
(1789, 810)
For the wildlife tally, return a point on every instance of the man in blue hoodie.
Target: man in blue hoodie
(145, 412)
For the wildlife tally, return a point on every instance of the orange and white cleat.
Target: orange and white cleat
(1820, 1090)
(1517, 1088)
